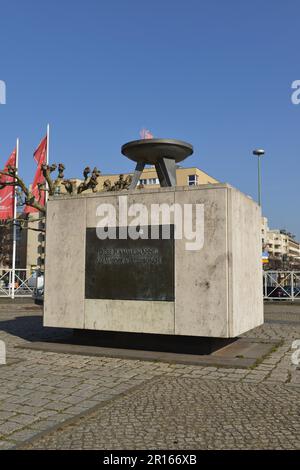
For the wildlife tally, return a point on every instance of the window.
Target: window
(153, 181)
(192, 180)
(149, 181)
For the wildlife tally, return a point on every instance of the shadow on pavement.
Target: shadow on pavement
(30, 328)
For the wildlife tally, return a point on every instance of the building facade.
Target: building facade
(283, 249)
(149, 179)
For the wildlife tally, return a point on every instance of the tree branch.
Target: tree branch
(29, 197)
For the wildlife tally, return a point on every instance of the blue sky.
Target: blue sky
(215, 73)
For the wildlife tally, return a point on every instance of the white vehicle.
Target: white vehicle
(37, 283)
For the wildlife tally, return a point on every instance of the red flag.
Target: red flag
(7, 193)
(40, 156)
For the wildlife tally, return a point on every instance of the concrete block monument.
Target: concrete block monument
(171, 260)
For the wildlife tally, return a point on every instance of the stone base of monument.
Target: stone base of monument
(198, 351)
(116, 340)
(204, 281)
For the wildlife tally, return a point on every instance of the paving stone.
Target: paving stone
(77, 409)
(4, 415)
(39, 402)
(43, 425)
(5, 445)
(57, 406)
(16, 400)
(42, 414)
(24, 419)
(23, 435)
(9, 427)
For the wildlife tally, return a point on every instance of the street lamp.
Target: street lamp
(259, 153)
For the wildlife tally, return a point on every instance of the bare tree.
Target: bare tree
(52, 186)
(5, 244)
(16, 181)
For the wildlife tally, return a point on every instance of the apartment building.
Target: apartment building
(281, 245)
(149, 179)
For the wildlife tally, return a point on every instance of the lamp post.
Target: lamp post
(259, 153)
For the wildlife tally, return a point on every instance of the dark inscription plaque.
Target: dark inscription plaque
(130, 269)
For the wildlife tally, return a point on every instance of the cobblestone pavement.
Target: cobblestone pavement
(134, 404)
(188, 413)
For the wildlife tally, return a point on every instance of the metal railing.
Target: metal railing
(281, 285)
(24, 282)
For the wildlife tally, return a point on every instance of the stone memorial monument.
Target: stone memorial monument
(169, 260)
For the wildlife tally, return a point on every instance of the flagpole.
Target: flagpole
(47, 160)
(15, 228)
